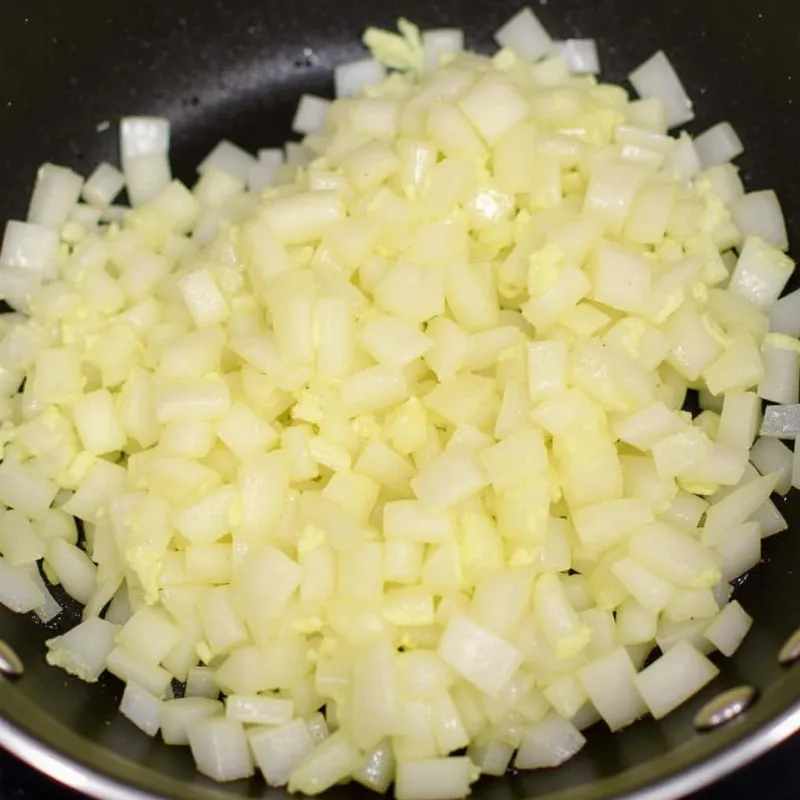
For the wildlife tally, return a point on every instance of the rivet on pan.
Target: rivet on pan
(790, 652)
(725, 707)
(11, 665)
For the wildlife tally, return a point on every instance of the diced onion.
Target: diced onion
(781, 422)
(656, 77)
(781, 371)
(56, 191)
(673, 678)
(718, 145)
(760, 214)
(29, 246)
(784, 314)
(103, 185)
(141, 708)
(525, 36)
(580, 55)
(229, 158)
(349, 79)
(441, 43)
(143, 136)
(771, 456)
(310, 114)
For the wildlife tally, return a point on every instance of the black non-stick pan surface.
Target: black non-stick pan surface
(235, 68)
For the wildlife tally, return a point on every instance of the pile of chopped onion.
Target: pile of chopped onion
(380, 437)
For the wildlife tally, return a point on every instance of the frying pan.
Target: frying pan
(235, 68)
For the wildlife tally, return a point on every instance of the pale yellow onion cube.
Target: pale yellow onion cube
(548, 743)
(179, 716)
(257, 710)
(448, 480)
(674, 678)
(331, 761)
(493, 106)
(605, 524)
(434, 779)
(220, 749)
(547, 368)
(127, 667)
(209, 519)
(729, 628)
(676, 556)
(393, 342)
(141, 708)
(449, 128)
(610, 685)
(479, 655)
(150, 634)
(278, 750)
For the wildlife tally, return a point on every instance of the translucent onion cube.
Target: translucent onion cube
(127, 667)
(220, 749)
(377, 769)
(150, 633)
(480, 656)
(609, 682)
(548, 743)
(254, 710)
(657, 78)
(782, 422)
(718, 145)
(761, 272)
(141, 708)
(103, 185)
(729, 628)
(327, 764)
(675, 677)
(179, 716)
(434, 779)
(525, 36)
(760, 214)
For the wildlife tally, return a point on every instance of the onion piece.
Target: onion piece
(310, 114)
(725, 180)
(771, 456)
(656, 77)
(760, 214)
(718, 145)
(297, 154)
(439, 44)
(769, 520)
(141, 708)
(29, 246)
(230, 158)
(674, 678)
(351, 78)
(434, 779)
(145, 177)
(143, 136)
(684, 161)
(220, 749)
(781, 381)
(580, 55)
(784, 314)
(50, 609)
(103, 185)
(83, 650)
(56, 191)
(548, 743)
(525, 36)
(781, 422)
(729, 628)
